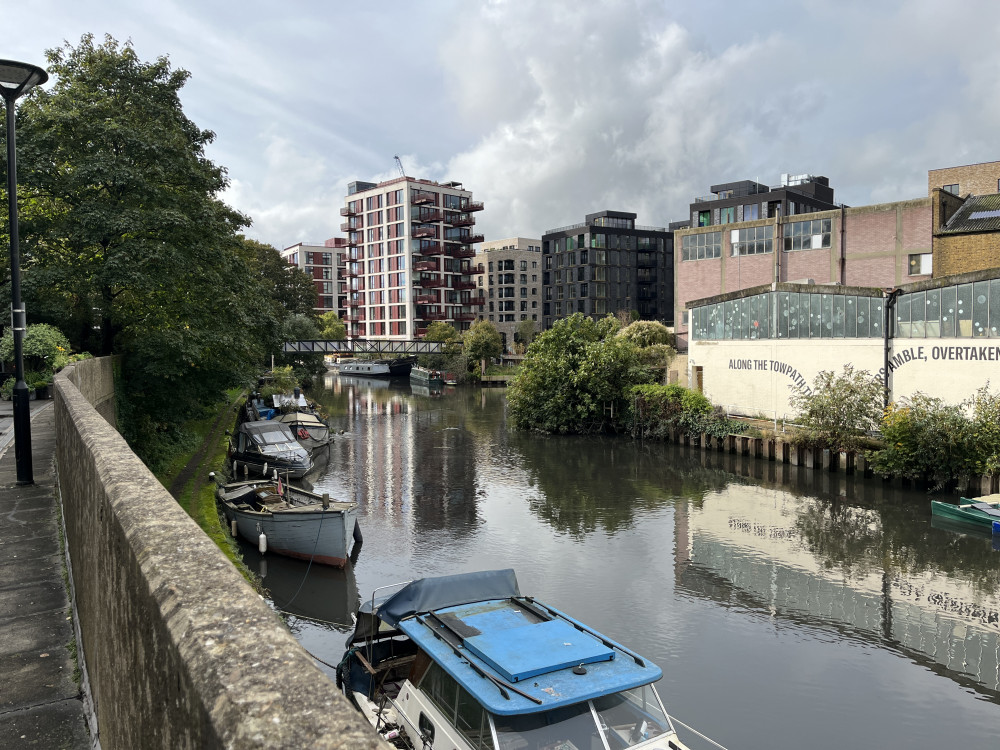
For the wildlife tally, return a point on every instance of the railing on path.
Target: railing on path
(381, 347)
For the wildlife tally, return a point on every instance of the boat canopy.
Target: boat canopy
(428, 594)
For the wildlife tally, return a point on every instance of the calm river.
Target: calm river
(788, 608)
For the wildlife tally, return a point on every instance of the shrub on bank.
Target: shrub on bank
(655, 410)
(839, 411)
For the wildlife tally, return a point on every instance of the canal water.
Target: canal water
(788, 608)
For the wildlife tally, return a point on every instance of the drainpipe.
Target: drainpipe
(843, 251)
(887, 334)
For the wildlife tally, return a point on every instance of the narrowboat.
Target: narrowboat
(426, 377)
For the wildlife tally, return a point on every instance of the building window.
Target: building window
(701, 246)
(920, 265)
(953, 189)
(753, 240)
(808, 235)
(751, 211)
(727, 215)
(704, 218)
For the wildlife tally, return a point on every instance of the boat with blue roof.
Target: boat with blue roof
(467, 662)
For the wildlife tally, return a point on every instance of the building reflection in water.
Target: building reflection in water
(820, 562)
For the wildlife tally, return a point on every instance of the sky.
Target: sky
(548, 110)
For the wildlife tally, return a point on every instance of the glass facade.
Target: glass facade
(789, 315)
(960, 311)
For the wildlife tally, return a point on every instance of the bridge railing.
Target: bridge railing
(380, 347)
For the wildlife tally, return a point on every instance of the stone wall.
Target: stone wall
(180, 651)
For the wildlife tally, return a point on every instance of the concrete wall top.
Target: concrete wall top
(179, 649)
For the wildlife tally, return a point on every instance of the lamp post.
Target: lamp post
(16, 79)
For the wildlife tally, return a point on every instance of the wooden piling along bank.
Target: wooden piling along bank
(848, 462)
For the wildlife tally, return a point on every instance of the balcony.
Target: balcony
(461, 251)
(427, 216)
(420, 197)
(419, 332)
(464, 285)
(426, 265)
(426, 299)
(423, 231)
(473, 206)
(337, 242)
(479, 301)
(432, 248)
(430, 315)
(460, 220)
(351, 272)
(471, 239)
(348, 211)
(464, 316)
(352, 302)
(430, 282)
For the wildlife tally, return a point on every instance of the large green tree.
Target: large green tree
(482, 341)
(125, 233)
(575, 376)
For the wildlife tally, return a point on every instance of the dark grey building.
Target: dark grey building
(747, 200)
(607, 264)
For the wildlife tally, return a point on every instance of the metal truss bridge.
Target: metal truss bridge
(378, 347)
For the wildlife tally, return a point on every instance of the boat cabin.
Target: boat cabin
(505, 672)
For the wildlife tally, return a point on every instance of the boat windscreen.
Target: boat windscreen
(271, 437)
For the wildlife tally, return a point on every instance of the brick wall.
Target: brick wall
(978, 179)
(961, 253)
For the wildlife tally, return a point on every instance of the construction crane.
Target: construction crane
(399, 163)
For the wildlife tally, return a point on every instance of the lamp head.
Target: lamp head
(18, 78)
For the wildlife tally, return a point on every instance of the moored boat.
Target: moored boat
(264, 446)
(376, 367)
(983, 511)
(290, 521)
(467, 662)
(427, 377)
(307, 428)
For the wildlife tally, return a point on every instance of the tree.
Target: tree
(840, 409)
(126, 230)
(289, 287)
(331, 327)
(575, 376)
(655, 343)
(304, 364)
(446, 334)
(482, 341)
(525, 333)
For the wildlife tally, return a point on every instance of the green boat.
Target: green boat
(981, 511)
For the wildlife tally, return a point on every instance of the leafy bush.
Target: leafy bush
(840, 410)
(574, 377)
(283, 380)
(44, 347)
(657, 409)
(925, 438)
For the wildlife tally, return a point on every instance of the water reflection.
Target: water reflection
(731, 572)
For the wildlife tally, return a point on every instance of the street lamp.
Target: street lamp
(17, 79)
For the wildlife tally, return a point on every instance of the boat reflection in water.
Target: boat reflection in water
(328, 596)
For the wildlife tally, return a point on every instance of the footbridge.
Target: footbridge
(378, 347)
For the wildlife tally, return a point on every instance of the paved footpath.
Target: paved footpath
(40, 705)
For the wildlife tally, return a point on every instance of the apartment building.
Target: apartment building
(605, 264)
(510, 277)
(409, 251)
(320, 263)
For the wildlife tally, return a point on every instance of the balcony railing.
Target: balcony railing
(466, 239)
(419, 197)
(337, 242)
(426, 216)
(461, 251)
(426, 265)
(423, 231)
(426, 299)
(432, 248)
(479, 301)
(464, 316)
(473, 206)
(430, 315)
(352, 302)
(348, 211)
(430, 282)
(464, 285)
(460, 220)
(351, 272)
